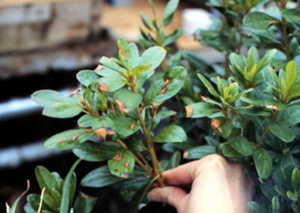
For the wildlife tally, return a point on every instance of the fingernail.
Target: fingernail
(154, 196)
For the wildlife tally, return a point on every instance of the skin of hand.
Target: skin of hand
(217, 186)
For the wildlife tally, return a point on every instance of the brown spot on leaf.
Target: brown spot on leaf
(132, 126)
(81, 126)
(75, 137)
(103, 87)
(61, 140)
(124, 175)
(126, 165)
(103, 131)
(167, 81)
(118, 157)
(162, 91)
(189, 111)
(272, 22)
(122, 107)
(123, 52)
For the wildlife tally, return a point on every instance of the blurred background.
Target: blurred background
(43, 44)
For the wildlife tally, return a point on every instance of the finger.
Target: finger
(184, 174)
(169, 195)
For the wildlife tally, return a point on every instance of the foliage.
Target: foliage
(247, 111)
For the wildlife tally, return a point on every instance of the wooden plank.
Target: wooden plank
(7, 3)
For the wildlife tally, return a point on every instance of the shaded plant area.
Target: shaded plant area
(246, 110)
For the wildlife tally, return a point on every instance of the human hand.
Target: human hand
(217, 186)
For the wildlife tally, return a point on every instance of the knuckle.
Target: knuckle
(215, 161)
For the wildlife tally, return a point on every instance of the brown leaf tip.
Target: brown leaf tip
(186, 154)
(124, 175)
(99, 67)
(189, 111)
(215, 124)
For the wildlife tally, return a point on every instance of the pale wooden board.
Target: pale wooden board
(6, 3)
(125, 21)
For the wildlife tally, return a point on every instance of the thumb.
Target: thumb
(169, 194)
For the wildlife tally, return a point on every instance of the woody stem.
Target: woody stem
(137, 160)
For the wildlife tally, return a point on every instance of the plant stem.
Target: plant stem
(286, 39)
(226, 66)
(149, 143)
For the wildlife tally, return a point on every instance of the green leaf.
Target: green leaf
(34, 202)
(69, 189)
(84, 203)
(266, 59)
(226, 129)
(56, 105)
(290, 74)
(111, 83)
(95, 152)
(127, 100)
(174, 161)
(291, 14)
(199, 152)
(237, 61)
(100, 177)
(68, 139)
(275, 204)
(199, 110)
(173, 36)
(296, 179)
(263, 162)
(282, 131)
(292, 196)
(195, 61)
(140, 69)
(241, 144)
(256, 207)
(122, 164)
(139, 196)
(135, 144)
(86, 77)
(13, 208)
(290, 116)
(111, 68)
(258, 20)
(145, 21)
(228, 151)
(169, 12)
(172, 134)
(253, 57)
(208, 85)
(45, 179)
(85, 121)
(125, 126)
(153, 56)
(166, 88)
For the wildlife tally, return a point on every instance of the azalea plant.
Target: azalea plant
(150, 98)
